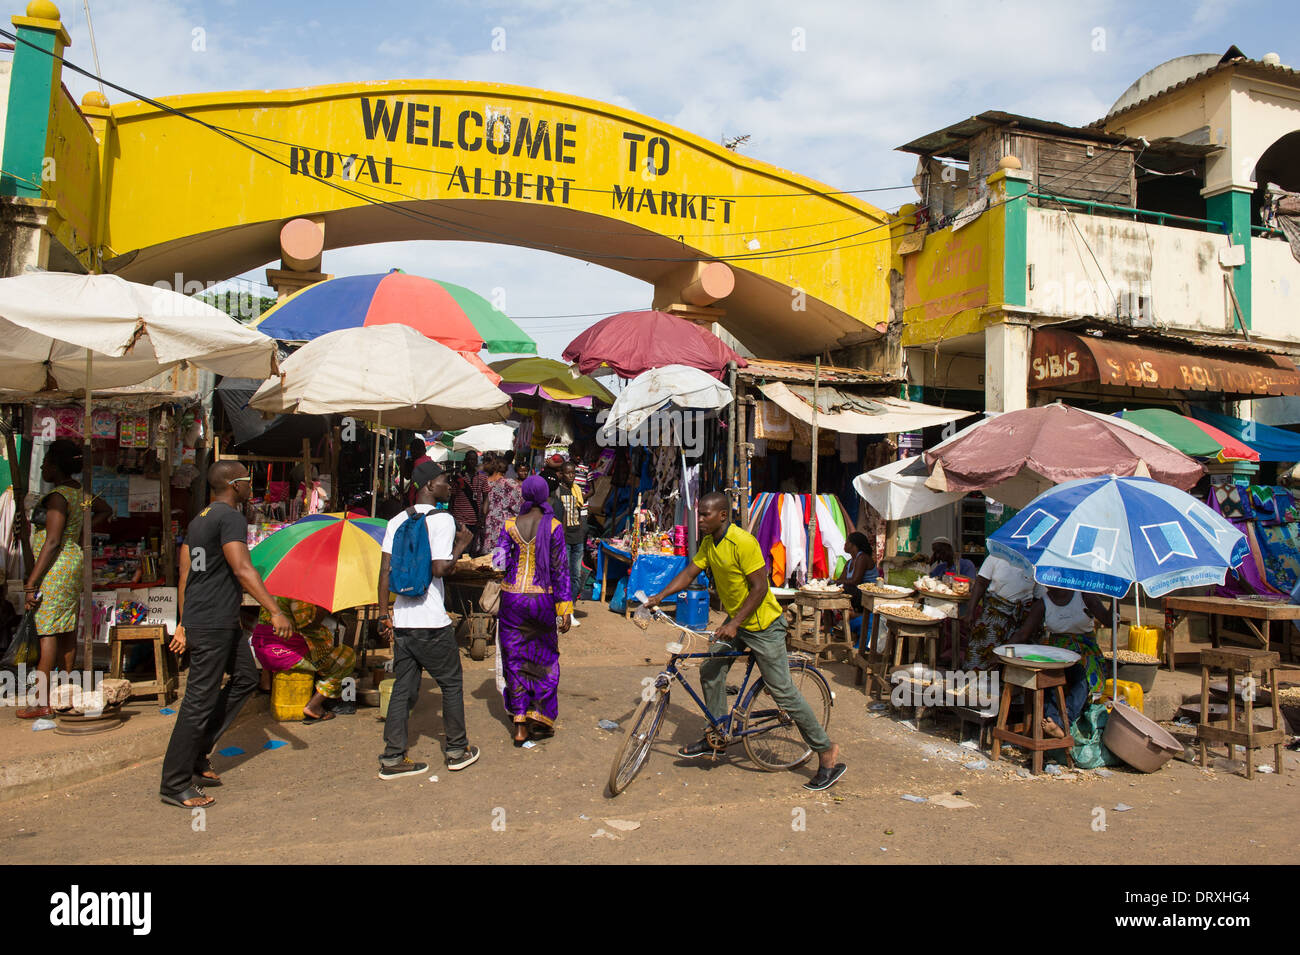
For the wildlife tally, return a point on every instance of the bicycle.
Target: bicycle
(767, 732)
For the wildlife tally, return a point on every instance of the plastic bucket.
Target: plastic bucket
(290, 692)
(693, 609)
(1137, 740)
(385, 693)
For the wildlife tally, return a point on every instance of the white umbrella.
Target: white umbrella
(897, 490)
(672, 386)
(48, 321)
(65, 332)
(389, 374)
(485, 437)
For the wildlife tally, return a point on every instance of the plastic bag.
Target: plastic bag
(1089, 752)
(26, 646)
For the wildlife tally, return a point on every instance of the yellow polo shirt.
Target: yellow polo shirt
(729, 564)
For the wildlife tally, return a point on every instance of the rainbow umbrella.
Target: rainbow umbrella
(447, 313)
(331, 560)
(1194, 438)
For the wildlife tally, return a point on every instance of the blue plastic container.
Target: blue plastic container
(693, 609)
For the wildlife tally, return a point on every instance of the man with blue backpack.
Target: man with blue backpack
(421, 546)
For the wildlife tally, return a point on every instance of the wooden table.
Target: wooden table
(807, 602)
(950, 624)
(871, 661)
(1246, 609)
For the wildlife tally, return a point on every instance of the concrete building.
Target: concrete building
(1124, 263)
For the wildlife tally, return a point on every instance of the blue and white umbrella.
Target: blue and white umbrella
(1103, 535)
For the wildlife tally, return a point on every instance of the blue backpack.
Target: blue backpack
(411, 568)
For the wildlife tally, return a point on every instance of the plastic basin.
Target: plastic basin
(1137, 740)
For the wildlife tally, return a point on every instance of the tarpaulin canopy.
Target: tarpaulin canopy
(1192, 437)
(1273, 444)
(857, 414)
(897, 490)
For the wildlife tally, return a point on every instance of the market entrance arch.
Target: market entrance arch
(202, 184)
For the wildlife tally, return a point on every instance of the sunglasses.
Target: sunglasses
(237, 480)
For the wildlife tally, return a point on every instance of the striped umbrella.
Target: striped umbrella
(331, 560)
(1197, 439)
(447, 313)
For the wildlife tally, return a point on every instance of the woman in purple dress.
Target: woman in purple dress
(535, 603)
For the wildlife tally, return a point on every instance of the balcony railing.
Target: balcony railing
(1161, 218)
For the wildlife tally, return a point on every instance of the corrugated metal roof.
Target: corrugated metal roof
(950, 140)
(762, 369)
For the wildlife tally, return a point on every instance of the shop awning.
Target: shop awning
(857, 414)
(1061, 358)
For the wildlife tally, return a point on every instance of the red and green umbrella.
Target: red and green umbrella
(447, 313)
(331, 560)
(1194, 438)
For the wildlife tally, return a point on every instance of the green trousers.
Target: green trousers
(773, 661)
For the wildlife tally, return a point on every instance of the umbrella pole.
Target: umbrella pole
(1114, 648)
(812, 499)
(87, 564)
(374, 468)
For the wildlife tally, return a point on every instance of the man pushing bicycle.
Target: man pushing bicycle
(735, 563)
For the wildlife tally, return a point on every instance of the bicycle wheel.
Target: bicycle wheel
(778, 744)
(641, 733)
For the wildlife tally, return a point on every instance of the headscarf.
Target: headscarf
(536, 493)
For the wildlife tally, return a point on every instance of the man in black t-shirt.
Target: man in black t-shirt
(215, 570)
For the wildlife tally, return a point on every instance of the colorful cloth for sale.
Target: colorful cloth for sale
(1280, 549)
(330, 560)
(504, 499)
(998, 620)
(62, 585)
(534, 592)
(330, 664)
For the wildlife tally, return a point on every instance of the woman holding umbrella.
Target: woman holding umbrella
(535, 603)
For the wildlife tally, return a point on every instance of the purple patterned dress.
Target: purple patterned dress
(534, 592)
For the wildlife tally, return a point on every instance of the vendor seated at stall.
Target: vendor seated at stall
(1065, 618)
(943, 560)
(858, 569)
(311, 650)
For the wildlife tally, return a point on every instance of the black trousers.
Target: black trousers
(208, 708)
(432, 649)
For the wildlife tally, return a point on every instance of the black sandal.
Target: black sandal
(194, 792)
(827, 776)
(206, 767)
(312, 720)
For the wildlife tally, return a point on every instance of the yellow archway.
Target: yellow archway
(200, 186)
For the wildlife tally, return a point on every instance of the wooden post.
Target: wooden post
(88, 572)
(742, 433)
(733, 485)
(336, 493)
(812, 500)
(166, 543)
(374, 467)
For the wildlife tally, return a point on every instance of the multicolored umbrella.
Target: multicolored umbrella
(331, 560)
(632, 342)
(1196, 438)
(447, 313)
(550, 380)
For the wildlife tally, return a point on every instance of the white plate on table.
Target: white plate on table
(1058, 657)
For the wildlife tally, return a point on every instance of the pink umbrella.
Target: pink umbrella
(632, 342)
(1015, 456)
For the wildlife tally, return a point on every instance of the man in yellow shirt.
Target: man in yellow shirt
(735, 563)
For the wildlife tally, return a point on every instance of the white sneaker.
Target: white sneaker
(573, 623)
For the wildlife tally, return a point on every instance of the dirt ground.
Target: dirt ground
(318, 799)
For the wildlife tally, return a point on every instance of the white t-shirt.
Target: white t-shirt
(1071, 618)
(426, 611)
(1006, 580)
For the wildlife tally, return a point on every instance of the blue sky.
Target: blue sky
(872, 76)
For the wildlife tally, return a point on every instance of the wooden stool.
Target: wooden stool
(163, 685)
(1249, 662)
(923, 633)
(815, 603)
(1035, 683)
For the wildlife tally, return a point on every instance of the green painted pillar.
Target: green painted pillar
(1015, 258)
(1233, 209)
(33, 83)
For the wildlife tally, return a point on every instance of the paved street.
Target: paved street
(318, 800)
